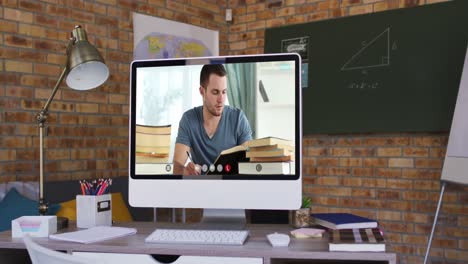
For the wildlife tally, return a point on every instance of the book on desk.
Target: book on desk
(356, 240)
(343, 221)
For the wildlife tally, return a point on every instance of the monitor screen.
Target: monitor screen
(216, 132)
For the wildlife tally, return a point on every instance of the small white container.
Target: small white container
(35, 226)
(93, 210)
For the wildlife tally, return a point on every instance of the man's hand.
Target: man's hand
(192, 169)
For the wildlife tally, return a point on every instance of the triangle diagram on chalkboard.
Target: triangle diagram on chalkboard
(375, 53)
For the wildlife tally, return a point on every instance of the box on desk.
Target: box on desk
(93, 210)
(35, 226)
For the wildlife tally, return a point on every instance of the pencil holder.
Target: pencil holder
(93, 210)
(300, 218)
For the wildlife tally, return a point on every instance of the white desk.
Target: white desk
(257, 246)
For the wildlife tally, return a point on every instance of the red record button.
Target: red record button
(227, 168)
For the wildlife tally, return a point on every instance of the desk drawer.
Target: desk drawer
(116, 258)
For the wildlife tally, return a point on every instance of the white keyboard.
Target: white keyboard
(189, 236)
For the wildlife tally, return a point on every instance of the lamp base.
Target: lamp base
(62, 222)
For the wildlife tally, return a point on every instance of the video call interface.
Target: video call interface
(264, 91)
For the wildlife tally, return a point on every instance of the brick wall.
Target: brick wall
(393, 178)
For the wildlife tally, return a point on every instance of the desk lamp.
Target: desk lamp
(86, 70)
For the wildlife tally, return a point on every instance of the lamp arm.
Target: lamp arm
(42, 116)
(45, 108)
(41, 119)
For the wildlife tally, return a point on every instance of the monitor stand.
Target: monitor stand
(223, 219)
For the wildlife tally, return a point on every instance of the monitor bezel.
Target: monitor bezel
(216, 60)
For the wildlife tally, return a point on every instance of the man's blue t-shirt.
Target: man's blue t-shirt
(233, 129)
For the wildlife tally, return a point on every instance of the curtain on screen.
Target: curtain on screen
(241, 89)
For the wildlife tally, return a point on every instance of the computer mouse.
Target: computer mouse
(278, 240)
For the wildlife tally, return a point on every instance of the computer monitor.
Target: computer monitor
(262, 93)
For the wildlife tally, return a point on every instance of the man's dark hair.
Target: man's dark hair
(207, 70)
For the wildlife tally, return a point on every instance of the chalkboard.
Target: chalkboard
(392, 71)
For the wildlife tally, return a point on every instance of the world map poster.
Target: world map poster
(157, 38)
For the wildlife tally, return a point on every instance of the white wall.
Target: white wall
(276, 117)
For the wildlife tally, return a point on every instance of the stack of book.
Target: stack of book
(354, 240)
(270, 149)
(152, 144)
(349, 232)
(269, 155)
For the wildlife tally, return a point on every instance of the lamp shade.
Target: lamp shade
(87, 69)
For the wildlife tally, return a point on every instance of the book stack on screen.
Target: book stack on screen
(349, 232)
(152, 144)
(269, 155)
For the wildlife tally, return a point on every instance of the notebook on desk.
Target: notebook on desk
(343, 221)
(94, 234)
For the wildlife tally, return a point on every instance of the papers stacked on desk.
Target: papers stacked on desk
(94, 234)
(307, 232)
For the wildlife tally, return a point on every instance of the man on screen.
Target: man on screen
(206, 130)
